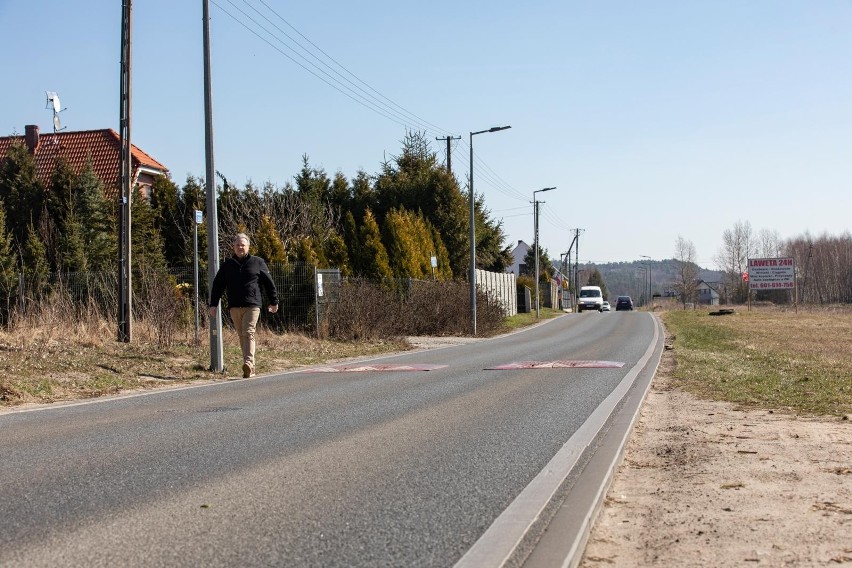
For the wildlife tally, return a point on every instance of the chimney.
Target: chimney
(31, 136)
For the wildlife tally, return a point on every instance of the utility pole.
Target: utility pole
(125, 191)
(449, 140)
(571, 278)
(217, 363)
(576, 244)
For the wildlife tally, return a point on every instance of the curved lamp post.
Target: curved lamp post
(473, 229)
(535, 228)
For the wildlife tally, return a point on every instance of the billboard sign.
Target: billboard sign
(771, 274)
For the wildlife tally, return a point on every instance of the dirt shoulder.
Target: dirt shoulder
(707, 484)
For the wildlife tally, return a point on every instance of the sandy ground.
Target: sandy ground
(706, 484)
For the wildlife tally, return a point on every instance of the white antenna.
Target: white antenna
(53, 100)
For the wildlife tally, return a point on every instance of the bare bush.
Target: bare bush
(58, 315)
(162, 305)
(364, 310)
(370, 310)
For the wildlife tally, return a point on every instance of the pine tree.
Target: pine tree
(98, 221)
(35, 256)
(147, 244)
(168, 220)
(20, 192)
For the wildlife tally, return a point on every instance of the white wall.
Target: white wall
(500, 285)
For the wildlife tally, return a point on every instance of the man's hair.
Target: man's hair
(239, 236)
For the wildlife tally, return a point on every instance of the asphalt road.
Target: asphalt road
(311, 469)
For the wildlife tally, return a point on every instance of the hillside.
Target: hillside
(631, 279)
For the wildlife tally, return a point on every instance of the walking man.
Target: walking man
(242, 276)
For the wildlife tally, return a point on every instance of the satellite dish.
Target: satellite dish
(52, 100)
(56, 124)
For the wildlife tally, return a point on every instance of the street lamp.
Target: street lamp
(473, 229)
(535, 226)
(641, 292)
(650, 294)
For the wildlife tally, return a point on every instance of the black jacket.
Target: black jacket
(243, 279)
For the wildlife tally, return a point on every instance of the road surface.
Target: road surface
(463, 464)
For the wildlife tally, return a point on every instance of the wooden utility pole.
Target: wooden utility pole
(449, 140)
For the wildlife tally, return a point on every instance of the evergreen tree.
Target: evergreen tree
(363, 195)
(373, 254)
(444, 270)
(147, 244)
(401, 244)
(596, 279)
(35, 256)
(267, 244)
(313, 183)
(70, 246)
(8, 283)
(192, 200)
(415, 181)
(337, 255)
(489, 239)
(340, 196)
(20, 192)
(353, 243)
(165, 202)
(545, 265)
(304, 251)
(98, 221)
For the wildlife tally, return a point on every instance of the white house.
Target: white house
(707, 294)
(518, 255)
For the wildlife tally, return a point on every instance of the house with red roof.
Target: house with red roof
(102, 147)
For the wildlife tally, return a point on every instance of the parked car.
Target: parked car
(605, 306)
(623, 303)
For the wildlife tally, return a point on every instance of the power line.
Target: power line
(342, 89)
(418, 119)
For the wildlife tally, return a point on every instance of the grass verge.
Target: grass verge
(768, 358)
(64, 365)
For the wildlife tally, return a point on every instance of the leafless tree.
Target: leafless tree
(824, 267)
(737, 247)
(687, 285)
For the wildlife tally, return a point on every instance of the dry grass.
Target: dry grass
(49, 361)
(767, 357)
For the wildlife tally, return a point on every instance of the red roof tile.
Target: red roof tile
(101, 146)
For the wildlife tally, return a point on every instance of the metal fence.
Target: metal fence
(303, 303)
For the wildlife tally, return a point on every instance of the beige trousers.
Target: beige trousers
(245, 322)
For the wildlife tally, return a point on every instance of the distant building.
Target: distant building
(102, 147)
(518, 254)
(707, 294)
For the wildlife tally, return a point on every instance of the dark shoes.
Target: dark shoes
(248, 371)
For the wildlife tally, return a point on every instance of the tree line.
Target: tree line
(386, 225)
(823, 265)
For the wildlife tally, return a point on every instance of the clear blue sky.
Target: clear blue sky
(653, 119)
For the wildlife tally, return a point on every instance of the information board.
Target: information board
(771, 273)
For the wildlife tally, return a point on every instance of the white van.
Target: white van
(591, 298)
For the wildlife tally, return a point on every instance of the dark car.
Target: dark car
(623, 303)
